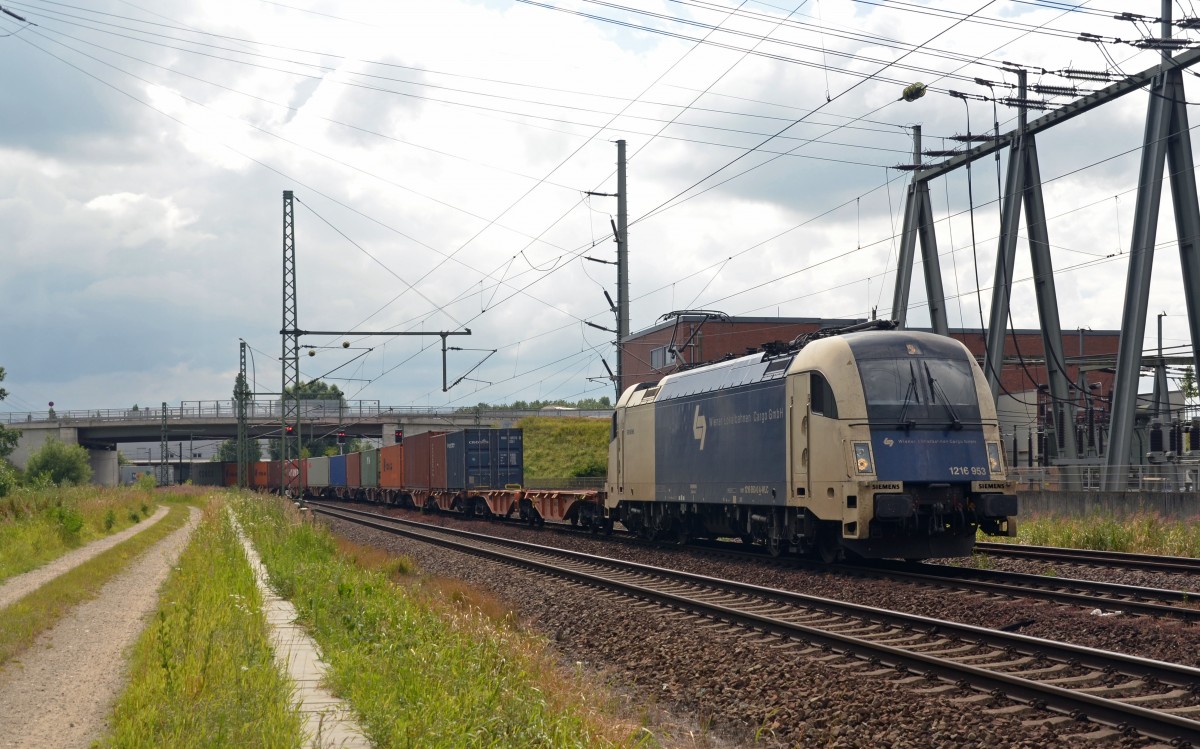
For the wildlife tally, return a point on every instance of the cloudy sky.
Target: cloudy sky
(440, 152)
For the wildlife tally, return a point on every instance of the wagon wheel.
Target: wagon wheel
(679, 532)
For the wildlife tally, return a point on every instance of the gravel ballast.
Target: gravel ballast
(770, 693)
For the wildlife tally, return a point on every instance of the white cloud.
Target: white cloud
(138, 244)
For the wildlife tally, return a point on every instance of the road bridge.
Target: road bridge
(101, 430)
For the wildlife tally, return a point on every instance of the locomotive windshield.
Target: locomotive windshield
(917, 383)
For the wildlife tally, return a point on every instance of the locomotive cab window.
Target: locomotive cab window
(919, 389)
(823, 402)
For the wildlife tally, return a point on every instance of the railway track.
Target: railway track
(1184, 565)
(1125, 694)
(1108, 598)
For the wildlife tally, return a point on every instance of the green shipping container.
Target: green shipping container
(370, 468)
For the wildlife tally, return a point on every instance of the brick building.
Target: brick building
(692, 339)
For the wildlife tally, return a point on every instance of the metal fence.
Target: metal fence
(267, 410)
(1144, 478)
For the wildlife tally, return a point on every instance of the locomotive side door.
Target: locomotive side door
(828, 471)
(798, 424)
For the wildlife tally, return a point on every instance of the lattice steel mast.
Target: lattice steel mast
(241, 394)
(289, 438)
(1167, 140)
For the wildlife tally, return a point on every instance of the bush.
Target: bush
(69, 521)
(146, 482)
(59, 464)
(8, 478)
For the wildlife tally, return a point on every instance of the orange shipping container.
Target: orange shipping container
(391, 466)
(230, 474)
(437, 462)
(354, 469)
(297, 474)
(259, 474)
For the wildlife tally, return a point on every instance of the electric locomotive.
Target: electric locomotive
(864, 442)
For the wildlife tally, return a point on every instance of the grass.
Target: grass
(424, 662)
(202, 673)
(38, 611)
(562, 448)
(39, 525)
(1142, 533)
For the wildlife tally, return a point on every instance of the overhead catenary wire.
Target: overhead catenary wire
(496, 287)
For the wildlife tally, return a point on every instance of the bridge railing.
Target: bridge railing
(312, 410)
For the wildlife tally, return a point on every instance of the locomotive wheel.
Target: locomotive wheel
(774, 545)
(828, 548)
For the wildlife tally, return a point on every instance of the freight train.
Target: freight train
(860, 442)
(474, 472)
(865, 442)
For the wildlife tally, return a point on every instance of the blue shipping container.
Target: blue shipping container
(484, 458)
(337, 470)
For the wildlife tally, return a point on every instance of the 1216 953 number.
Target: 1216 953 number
(968, 471)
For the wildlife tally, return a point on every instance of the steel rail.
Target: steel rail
(1129, 599)
(1186, 565)
(1102, 595)
(1124, 716)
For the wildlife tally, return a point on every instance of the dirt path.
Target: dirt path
(16, 588)
(59, 693)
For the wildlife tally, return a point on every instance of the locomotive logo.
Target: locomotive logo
(699, 426)
(888, 441)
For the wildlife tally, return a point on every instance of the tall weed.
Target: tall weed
(1141, 533)
(39, 525)
(419, 673)
(203, 674)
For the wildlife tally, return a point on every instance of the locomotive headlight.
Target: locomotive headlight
(863, 461)
(995, 461)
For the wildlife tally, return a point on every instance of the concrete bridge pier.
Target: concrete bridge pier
(33, 435)
(105, 469)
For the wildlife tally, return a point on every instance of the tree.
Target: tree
(1187, 383)
(59, 463)
(602, 403)
(227, 452)
(310, 445)
(8, 437)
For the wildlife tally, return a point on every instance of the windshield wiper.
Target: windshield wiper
(933, 388)
(912, 390)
